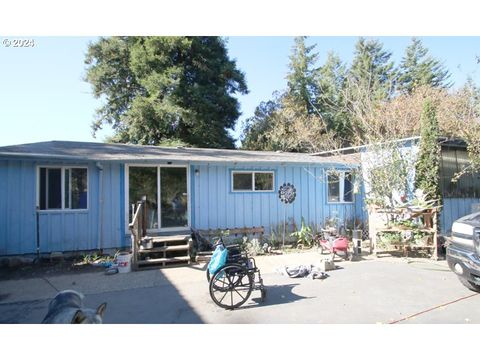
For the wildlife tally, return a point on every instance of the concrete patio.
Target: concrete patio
(368, 291)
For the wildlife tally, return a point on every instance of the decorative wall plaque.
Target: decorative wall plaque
(287, 193)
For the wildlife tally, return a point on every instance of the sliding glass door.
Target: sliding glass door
(143, 183)
(173, 195)
(166, 192)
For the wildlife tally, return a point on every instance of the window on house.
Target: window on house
(63, 188)
(333, 188)
(453, 161)
(340, 187)
(252, 181)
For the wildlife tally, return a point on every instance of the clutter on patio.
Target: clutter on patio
(307, 271)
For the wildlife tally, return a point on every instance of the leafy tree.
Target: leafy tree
(297, 131)
(331, 80)
(166, 89)
(301, 77)
(257, 128)
(418, 68)
(427, 167)
(284, 125)
(386, 173)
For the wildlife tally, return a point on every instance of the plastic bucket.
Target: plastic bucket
(124, 262)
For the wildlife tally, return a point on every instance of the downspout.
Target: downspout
(100, 206)
(37, 223)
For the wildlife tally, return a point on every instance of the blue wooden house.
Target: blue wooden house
(64, 196)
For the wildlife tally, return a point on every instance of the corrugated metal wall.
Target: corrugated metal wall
(70, 230)
(216, 206)
(454, 208)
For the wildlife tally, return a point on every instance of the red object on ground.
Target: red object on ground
(338, 245)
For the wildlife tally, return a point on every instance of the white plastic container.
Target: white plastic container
(124, 262)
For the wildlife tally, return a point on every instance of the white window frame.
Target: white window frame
(341, 188)
(62, 174)
(159, 228)
(253, 172)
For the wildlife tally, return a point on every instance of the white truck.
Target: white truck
(463, 251)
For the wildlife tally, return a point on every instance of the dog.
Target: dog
(67, 308)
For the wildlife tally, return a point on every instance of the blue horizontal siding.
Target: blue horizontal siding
(216, 206)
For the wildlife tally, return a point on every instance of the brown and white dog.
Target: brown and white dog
(67, 308)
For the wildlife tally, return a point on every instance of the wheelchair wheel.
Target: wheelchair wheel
(231, 286)
(217, 286)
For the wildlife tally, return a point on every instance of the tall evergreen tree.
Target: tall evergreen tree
(301, 76)
(330, 96)
(418, 68)
(159, 89)
(372, 72)
(370, 81)
(427, 168)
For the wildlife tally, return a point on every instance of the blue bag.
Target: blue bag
(219, 258)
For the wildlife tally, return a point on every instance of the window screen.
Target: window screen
(54, 188)
(264, 181)
(74, 194)
(333, 188)
(253, 181)
(242, 182)
(340, 187)
(79, 189)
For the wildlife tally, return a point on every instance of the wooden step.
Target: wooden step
(164, 260)
(172, 238)
(173, 250)
(163, 248)
(163, 266)
(202, 258)
(170, 233)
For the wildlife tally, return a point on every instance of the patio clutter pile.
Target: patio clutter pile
(118, 263)
(302, 271)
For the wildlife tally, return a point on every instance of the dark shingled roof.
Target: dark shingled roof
(72, 150)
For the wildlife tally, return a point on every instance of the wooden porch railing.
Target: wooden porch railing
(138, 229)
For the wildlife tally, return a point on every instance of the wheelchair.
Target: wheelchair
(232, 284)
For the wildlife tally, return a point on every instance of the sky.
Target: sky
(43, 95)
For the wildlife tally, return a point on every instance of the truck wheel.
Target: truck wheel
(469, 285)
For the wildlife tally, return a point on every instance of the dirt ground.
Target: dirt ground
(47, 268)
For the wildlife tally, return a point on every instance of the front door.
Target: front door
(166, 192)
